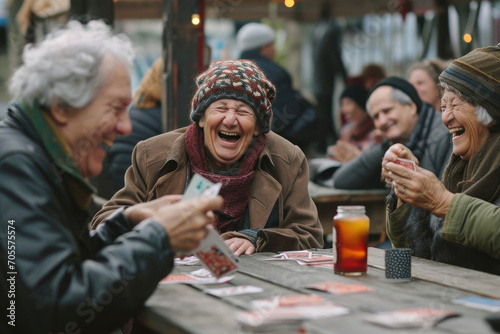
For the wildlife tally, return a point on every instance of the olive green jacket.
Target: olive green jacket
(469, 222)
(280, 208)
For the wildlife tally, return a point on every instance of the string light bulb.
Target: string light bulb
(467, 38)
(289, 3)
(195, 19)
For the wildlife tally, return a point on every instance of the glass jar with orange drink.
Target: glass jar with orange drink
(351, 227)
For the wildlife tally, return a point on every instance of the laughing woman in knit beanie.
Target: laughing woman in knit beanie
(456, 221)
(267, 206)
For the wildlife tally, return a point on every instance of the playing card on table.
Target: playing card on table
(406, 163)
(484, 303)
(193, 279)
(294, 254)
(234, 290)
(340, 288)
(410, 318)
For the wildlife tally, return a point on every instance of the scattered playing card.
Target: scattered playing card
(340, 288)
(410, 318)
(290, 309)
(191, 279)
(179, 278)
(234, 290)
(406, 163)
(186, 261)
(294, 254)
(488, 304)
(316, 259)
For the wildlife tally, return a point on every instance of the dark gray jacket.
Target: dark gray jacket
(430, 142)
(66, 278)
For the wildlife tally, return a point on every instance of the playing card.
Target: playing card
(287, 301)
(216, 255)
(339, 288)
(408, 318)
(484, 303)
(212, 251)
(234, 290)
(294, 254)
(316, 259)
(192, 279)
(406, 163)
(200, 186)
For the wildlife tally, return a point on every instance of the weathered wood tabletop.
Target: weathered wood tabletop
(181, 308)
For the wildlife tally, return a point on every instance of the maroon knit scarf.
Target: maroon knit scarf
(235, 189)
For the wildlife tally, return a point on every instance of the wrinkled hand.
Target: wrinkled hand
(391, 155)
(420, 188)
(240, 246)
(139, 212)
(186, 222)
(343, 151)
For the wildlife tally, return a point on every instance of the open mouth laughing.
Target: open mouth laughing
(229, 136)
(457, 132)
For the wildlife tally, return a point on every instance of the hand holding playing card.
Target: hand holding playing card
(141, 211)
(414, 185)
(186, 222)
(212, 251)
(393, 154)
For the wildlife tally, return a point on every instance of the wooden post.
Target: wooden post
(180, 52)
(443, 44)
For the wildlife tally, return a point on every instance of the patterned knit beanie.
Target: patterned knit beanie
(477, 76)
(240, 80)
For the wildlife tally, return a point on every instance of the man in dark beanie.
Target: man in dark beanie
(402, 117)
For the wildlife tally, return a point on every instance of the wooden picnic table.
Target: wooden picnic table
(182, 308)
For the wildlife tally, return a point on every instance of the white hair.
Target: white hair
(397, 95)
(65, 67)
(482, 115)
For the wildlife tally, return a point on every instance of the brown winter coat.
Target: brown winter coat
(160, 165)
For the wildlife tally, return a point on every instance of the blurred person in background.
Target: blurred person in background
(424, 76)
(329, 74)
(294, 117)
(356, 134)
(371, 75)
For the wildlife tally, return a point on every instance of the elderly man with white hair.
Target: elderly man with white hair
(71, 101)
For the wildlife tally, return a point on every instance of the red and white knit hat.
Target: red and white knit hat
(240, 80)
